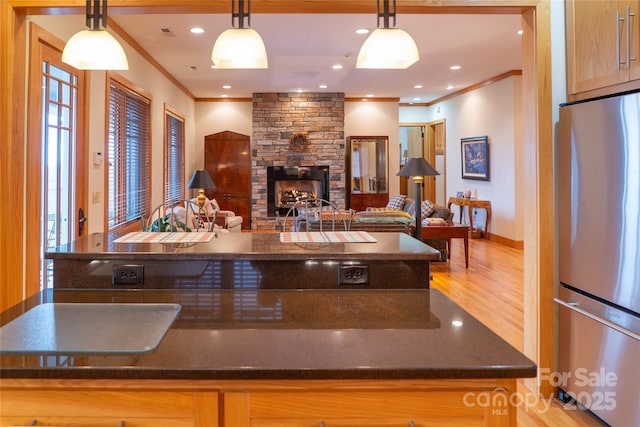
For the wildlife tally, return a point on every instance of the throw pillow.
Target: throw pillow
(397, 201)
(410, 207)
(427, 208)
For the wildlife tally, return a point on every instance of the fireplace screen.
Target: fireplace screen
(287, 185)
(288, 193)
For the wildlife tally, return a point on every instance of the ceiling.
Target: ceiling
(302, 48)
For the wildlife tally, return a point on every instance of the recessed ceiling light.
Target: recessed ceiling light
(197, 30)
(418, 87)
(226, 87)
(337, 67)
(322, 86)
(449, 87)
(300, 90)
(455, 67)
(362, 31)
(224, 95)
(519, 32)
(416, 99)
(369, 95)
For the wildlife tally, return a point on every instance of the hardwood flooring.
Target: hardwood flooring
(491, 289)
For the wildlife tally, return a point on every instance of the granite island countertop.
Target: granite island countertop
(242, 260)
(249, 246)
(288, 334)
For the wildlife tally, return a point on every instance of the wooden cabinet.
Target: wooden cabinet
(227, 158)
(81, 403)
(258, 403)
(420, 403)
(367, 172)
(602, 39)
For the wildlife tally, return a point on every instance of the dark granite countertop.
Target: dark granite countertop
(289, 334)
(250, 246)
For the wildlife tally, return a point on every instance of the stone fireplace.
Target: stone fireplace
(296, 132)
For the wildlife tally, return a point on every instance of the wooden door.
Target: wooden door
(227, 158)
(435, 153)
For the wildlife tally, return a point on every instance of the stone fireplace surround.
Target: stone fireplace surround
(279, 116)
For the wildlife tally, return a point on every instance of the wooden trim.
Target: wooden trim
(538, 135)
(224, 99)
(517, 244)
(281, 6)
(539, 339)
(372, 99)
(13, 51)
(467, 89)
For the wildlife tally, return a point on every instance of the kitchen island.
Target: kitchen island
(243, 260)
(275, 357)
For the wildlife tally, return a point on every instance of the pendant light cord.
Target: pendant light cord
(240, 14)
(95, 15)
(386, 14)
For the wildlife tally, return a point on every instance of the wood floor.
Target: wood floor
(491, 289)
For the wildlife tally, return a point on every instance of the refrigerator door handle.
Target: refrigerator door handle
(576, 307)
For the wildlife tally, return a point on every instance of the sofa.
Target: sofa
(400, 207)
(397, 216)
(226, 221)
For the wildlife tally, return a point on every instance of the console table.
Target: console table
(472, 204)
(454, 231)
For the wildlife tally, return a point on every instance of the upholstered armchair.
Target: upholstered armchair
(232, 222)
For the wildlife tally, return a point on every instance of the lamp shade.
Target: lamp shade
(239, 48)
(417, 166)
(94, 50)
(201, 179)
(388, 48)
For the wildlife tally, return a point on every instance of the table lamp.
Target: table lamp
(418, 168)
(201, 180)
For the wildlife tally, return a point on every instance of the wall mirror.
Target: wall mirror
(367, 172)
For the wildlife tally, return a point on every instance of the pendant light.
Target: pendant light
(388, 48)
(95, 48)
(239, 47)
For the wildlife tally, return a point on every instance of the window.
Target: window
(128, 155)
(173, 156)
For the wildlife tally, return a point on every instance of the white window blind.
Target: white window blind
(174, 141)
(128, 156)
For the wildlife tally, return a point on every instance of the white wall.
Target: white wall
(371, 118)
(144, 76)
(495, 111)
(213, 117)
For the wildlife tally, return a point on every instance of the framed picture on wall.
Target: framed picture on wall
(475, 158)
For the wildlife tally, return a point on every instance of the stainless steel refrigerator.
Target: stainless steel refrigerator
(598, 169)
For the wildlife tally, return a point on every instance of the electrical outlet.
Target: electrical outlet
(353, 275)
(128, 274)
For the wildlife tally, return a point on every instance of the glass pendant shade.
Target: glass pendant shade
(239, 48)
(94, 50)
(388, 48)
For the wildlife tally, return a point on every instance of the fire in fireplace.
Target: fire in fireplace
(287, 185)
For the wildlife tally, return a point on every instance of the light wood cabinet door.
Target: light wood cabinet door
(107, 408)
(634, 37)
(599, 50)
(359, 408)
